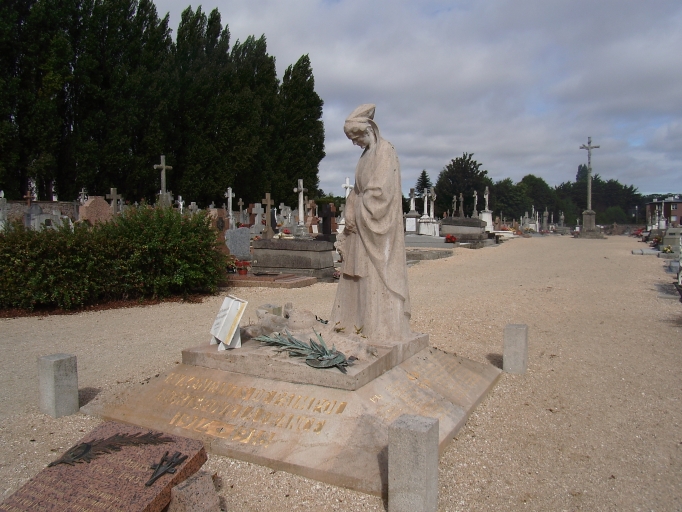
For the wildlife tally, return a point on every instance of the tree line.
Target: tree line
(611, 200)
(93, 91)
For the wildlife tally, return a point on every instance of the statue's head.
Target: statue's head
(360, 126)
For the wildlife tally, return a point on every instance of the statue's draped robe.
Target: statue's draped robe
(373, 291)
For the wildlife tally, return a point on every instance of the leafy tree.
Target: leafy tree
(510, 199)
(461, 175)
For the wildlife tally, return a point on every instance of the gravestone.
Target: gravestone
(302, 257)
(672, 239)
(238, 242)
(257, 219)
(112, 480)
(95, 210)
(219, 222)
(3, 210)
(412, 217)
(328, 223)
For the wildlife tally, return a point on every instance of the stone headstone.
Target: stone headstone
(95, 210)
(3, 210)
(110, 481)
(238, 241)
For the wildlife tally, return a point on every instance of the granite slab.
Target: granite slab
(332, 435)
(113, 481)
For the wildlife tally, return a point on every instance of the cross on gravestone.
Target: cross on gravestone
(193, 208)
(229, 195)
(180, 203)
(461, 204)
(299, 190)
(426, 202)
(454, 204)
(114, 200)
(29, 196)
(348, 187)
(412, 207)
(241, 210)
(475, 204)
(433, 203)
(589, 147)
(163, 167)
(485, 195)
(257, 212)
(83, 196)
(268, 202)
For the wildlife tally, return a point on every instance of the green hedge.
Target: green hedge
(146, 252)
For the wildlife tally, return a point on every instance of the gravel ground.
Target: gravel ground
(593, 425)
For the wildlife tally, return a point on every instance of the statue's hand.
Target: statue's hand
(350, 228)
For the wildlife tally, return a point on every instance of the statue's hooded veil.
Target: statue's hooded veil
(361, 116)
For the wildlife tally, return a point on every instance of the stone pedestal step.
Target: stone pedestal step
(270, 280)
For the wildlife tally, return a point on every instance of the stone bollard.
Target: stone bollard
(58, 382)
(196, 494)
(413, 464)
(515, 358)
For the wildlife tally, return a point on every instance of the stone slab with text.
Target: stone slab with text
(333, 435)
(113, 481)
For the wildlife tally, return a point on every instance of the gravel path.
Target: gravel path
(593, 425)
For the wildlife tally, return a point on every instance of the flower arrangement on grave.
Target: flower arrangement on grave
(450, 239)
(655, 241)
(231, 264)
(286, 231)
(242, 266)
(667, 249)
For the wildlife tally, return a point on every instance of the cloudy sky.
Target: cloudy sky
(521, 84)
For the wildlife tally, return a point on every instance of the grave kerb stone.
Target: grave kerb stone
(58, 384)
(515, 358)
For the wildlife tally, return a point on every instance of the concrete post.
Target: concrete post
(515, 358)
(413, 464)
(58, 381)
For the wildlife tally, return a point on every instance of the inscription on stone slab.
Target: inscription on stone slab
(112, 481)
(333, 435)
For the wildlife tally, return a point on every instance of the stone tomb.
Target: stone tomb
(466, 230)
(112, 481)
(303, 257)
(336, 432)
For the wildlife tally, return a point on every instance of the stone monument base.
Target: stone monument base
(338, 436)
(302, 257)
(589, 228)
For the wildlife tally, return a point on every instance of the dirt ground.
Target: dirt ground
(595, 423)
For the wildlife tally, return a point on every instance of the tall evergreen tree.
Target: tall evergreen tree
(300, 132)
(423, 182)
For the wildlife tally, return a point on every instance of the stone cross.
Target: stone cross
(411, 199)
(589, 147)
(180, 203)
(426, 202)
(114, 200)
(163, 168)
(485, 195)
(433, 203)
(454, 204)
(268, 202)
(83, 196)
(193, 208)
(461, 204)
(299, 190)
(241, 209)
(475, 203)
(229, 195)
(348, 187)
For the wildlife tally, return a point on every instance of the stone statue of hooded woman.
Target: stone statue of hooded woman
(372, 294)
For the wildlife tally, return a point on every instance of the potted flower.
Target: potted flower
(231, 265)
(242, 267)
(450, 239)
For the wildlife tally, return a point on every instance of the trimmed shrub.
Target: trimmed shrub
(145, 252)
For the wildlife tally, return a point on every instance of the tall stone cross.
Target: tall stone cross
(241, 210)
(83, 196)
(475, 203)
(461, 204)
(589, 147)
(29, 197)
(229, 195)
(411, 199)
(425, 195)
(163, 168)
(348, 187)
(433, 203)
(454, 204)
(269, 232)
(485, 195)
(181, 204)
(299, 190)
(114, 200)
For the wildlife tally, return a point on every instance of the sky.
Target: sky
(520, 84)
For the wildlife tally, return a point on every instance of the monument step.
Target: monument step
(336, 436)
(270, 280)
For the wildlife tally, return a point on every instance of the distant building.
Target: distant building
(669, 209)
